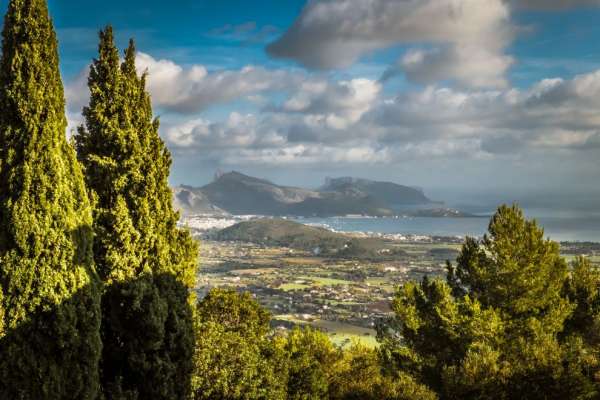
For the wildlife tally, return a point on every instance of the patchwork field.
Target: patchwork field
(343, 297)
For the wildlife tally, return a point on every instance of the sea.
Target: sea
(558, 226)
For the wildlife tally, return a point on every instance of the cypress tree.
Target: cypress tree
(49, 297)
(146, 262)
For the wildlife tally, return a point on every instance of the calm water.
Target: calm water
(559, 228)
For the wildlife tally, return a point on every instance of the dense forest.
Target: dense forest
(96, 278)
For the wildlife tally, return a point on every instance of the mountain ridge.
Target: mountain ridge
(240, 194)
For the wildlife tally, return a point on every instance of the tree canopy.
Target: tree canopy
(510, 322)
(235, 357)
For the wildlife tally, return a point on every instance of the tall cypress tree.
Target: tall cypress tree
(147, 263)
(49, 297)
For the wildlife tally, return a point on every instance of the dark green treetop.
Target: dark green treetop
(49, 336)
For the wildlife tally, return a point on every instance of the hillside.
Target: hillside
(392, 194)
(279, 232)
(190, 200)
(240, 194)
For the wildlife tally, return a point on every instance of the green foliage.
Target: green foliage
(583, 289)
(235, 359)
(514, 269)
(582, 328)
(311, 360)
(145, 261)
(359, 376)
(237, 313)
(511, 322)
(315, 369)
(437, 331)
(49, 299)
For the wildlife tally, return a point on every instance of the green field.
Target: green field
(342, 334)
(321, 281)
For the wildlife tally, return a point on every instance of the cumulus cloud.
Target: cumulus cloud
(474, 66)
(317, 119)
(469, 37)
(237, 131)
(553, 115)
(300, 154)
(336, 105)
(193, 89)
(248, 139)
(188, 90)
(317, 111)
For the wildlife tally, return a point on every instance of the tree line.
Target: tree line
(96, 277)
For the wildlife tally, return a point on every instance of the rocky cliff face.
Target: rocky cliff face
(189, 200)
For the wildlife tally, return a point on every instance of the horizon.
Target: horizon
(495, 101)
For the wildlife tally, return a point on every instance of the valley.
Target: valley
(346, 296)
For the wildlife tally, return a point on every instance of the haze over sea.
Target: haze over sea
(559, 226)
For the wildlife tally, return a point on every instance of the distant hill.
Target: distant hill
(240, 194)
(279, 232)
(392, 194)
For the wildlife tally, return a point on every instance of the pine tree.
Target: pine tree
(146, 262)
(514, 269)
(49, 297)
(510, 322)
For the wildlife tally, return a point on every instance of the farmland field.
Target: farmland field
(343, 297)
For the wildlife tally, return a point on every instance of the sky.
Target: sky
(476, 101)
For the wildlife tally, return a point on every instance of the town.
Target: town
(344, 297)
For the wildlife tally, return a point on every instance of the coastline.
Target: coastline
(401, 229)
